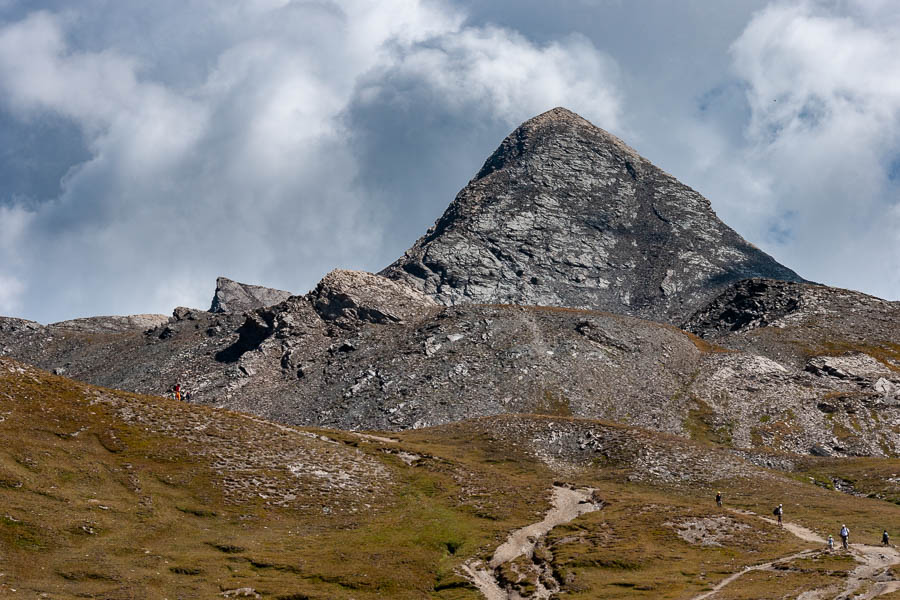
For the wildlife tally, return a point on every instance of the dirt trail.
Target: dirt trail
(874, 568)
(798, 530)
(876, 560)
(568, 504)
(286, 428)
(763, 567)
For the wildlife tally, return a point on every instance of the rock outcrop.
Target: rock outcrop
(232, 296)
(113, 323)
(359, 296)
(748, 304)
(565, 214)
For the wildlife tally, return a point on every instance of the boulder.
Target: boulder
(232, 296)
(347, 296)
(849, 367)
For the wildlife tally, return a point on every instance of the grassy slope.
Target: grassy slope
(101, 500)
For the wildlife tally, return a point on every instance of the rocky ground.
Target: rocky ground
(767, 365)
(562, 220)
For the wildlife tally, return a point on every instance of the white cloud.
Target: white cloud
(812, 75)
(14, 221)
(823, 89)
(13, 225)
(503, 74)
(11, 290)
(226, 150)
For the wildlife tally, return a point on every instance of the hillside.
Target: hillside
(115, 495)
(803, 368)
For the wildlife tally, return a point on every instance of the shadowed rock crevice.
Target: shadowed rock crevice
(256, 328)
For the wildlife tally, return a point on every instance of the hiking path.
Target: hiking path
(872, 575)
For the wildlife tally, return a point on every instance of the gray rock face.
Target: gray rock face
(232, 296)
(822, 376)
(565, 214)
(747, 305)
(761, 313)
(12, 325)
(112, 324)
(356, 295)
(857, 367)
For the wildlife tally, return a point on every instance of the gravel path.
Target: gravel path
(568, 504)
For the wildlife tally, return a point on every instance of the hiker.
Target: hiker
(779, 512)
(830, 542)
(885, 539)
(719, 499)
(845, 537)
(178, 391)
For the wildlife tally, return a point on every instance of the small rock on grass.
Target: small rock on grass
(244, 592)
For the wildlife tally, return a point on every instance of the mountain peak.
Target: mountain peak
(559, 113)
(542, 133)
(564, 213)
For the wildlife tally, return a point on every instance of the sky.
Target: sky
(149, 147)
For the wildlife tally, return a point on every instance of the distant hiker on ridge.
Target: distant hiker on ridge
(779, 512)
(845, 537)
(719, 499)
(885, 539)
(178, 391)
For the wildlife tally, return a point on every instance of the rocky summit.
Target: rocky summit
(565, 214)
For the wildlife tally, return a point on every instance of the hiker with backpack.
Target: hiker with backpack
(885, 539)
(779, 512)
(845, 537)
(719, 499)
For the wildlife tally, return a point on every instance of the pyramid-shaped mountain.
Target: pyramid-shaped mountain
(565, 214)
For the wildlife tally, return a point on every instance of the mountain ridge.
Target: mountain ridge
(780, 365)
